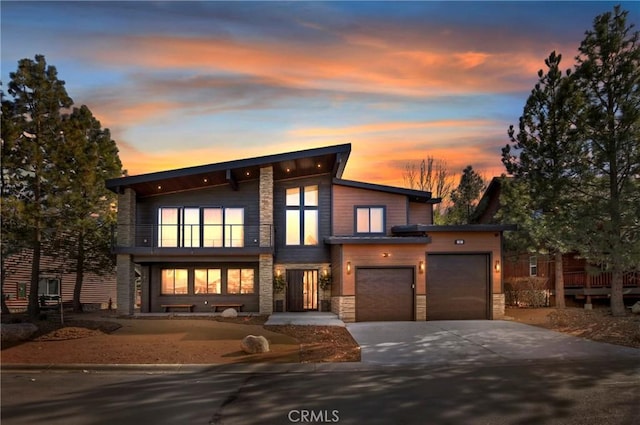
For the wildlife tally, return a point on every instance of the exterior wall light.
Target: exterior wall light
(421, 267)
(497, 266)
(348, 267)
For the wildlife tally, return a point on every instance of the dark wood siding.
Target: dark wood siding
(384, 294)
(457, 286)
(247, 197)
(202, 302)
(302, 254)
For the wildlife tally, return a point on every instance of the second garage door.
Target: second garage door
(457, 286)
(384, 294)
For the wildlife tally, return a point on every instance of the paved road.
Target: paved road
(526, 392)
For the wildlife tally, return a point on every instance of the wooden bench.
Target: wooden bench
(237, 306)
(166, 307)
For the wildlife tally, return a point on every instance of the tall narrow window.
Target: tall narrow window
(168, 227)
(369, 219)
(212, 229)
(533, 265)
(302, 216)
(234, 227)
(191, 227)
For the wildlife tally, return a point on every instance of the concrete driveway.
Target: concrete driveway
(473, 341)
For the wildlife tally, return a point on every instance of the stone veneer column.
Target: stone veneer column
(498, 306)
(421, 308)
(344, 307)
(265, 272)
(125, 274)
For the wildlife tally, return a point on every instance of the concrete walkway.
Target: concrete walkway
(473, 341)
(314, 318)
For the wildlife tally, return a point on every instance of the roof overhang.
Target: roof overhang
(327, 160)
(411, 194)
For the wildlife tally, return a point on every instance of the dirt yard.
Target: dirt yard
(598, 324)
(107, 339)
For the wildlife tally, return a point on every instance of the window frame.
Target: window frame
(533, 265)
(305, 222)
(369, 208)
(199, 240)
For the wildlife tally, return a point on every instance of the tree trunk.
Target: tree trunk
(77, 289)
(559, 271)
(617, 301)
(3, 273)
(34, 303)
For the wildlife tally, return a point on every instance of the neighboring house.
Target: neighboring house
(216, 235)
(55, 281)
(581, 280)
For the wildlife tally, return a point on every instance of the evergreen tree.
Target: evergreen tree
(465, 197)
(578, 152)
(92, 157)
(546, 166)
(608, 76)
(31, 177)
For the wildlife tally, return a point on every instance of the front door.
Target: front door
(302, 290)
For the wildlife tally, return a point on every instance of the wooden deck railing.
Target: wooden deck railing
(601, 280)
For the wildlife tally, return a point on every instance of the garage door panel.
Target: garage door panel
(457, 286)
(384, 294)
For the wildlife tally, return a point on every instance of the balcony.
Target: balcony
(182, 239)
(583, 283)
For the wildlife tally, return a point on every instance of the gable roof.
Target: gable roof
(330, 159)
(413, 195)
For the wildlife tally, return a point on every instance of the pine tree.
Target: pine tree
(31, 177)
(465, 197)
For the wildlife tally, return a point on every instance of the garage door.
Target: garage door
(384, 294)
(457, 286)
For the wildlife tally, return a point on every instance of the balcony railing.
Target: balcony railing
(583, 279)
(192, 236)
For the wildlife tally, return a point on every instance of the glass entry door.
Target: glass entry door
(302, 290)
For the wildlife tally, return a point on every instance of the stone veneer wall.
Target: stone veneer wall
(265, 272)
(498, 306)
(344, 307)
(421, 308)
(125, 275)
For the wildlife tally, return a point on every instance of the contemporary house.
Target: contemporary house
(204, 238)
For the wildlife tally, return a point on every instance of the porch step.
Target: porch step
(309, 318)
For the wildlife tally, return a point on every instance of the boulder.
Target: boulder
(229, 312)
(18, 331)
(253, 344)
(635, 309)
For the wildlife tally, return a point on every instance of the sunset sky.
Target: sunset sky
(190, 83)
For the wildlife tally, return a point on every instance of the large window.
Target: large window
(203, 280)
(175, 281)
(207, 281)
(240, 281)
(193, 227)
(302, 216)
(369, 219)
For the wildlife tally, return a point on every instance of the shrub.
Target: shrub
(527, 292)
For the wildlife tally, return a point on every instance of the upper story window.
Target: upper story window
(370, 219)
(302, 215)
(194, 227)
